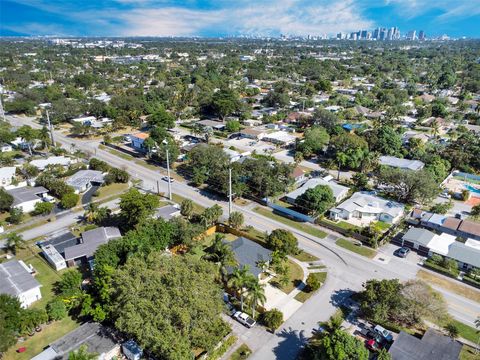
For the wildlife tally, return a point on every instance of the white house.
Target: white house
(404, 164)
(84, 179)
(339, 191)
(7, 174)
(41, 164)
(26, 197)
(16, 280)
(364, 208)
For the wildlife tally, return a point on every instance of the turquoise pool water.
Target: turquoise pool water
(472, 189)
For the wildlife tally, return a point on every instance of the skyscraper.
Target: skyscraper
(421, 35)
(376, 34)
(412, 35)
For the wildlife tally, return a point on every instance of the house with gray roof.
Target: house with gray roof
(84, 179)
(339, 191)
(433, 345)
(364, 207)
(249, 253)
(167, 212)
(88, 244)
(26, 197)
(97, 338)
(41, 164)
(16, 280)
(404, 164)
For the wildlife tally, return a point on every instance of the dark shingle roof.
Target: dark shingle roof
(26, 193)
(15, 279)
(91, 240)
(432, 346)
(249, 253)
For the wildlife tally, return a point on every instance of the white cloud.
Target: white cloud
(449, 8)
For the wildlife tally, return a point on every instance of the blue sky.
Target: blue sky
(234, 17)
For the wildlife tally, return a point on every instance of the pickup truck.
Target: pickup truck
(244, 319)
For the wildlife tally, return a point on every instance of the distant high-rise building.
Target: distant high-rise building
(412, 35)
(363, 34)
(383, 34)
(421, 35)
(376, 34)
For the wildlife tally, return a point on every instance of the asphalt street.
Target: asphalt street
(347, 271)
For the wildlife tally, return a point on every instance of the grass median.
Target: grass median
(304, 295)
(361, 250)
(292, 223)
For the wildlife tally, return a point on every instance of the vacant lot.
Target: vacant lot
(450, 285)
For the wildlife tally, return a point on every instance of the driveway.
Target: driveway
(87, 197)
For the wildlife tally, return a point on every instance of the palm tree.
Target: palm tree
(82, 354)
(256, 292)
(220, 253)
(370, 162)
(341, 159)
(239, 278)
(435, 129)
(15, 242)
(332, 325)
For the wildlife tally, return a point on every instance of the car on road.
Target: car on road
(402, 252)
(244, 319)
(387, 335)
(165, 178)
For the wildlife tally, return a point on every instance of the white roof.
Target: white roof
(401, 163)
(84, 119)
(282, 136)
(52, 253)
(473, 243)
(367, 203)
(337, 190)
(440, 244)
(52, 160)
(7, 172)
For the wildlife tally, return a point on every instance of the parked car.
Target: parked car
(445, 195)
(244, 319)
(387, 335)
(402, 252)
(372, 345)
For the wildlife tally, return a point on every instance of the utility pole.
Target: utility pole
(229, 192)
(50, 129)
(168, 174)
(1, 108)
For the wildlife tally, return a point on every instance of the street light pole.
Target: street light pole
(168, 174)
(229, 192)
(50, 128)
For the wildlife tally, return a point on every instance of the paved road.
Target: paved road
(346, 270)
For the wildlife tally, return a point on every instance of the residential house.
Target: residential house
(251, 122)
(399, 163)
(41, 164)
(281, 138)
(84, 120)
(167, 212)
(26, 197)
(214, 125)
(16, 279)
(97, 338)
(131, 350)
(7, 175)
(138, 139)
(433, 345)
(364, 208)
(5, 148)
(83, 180)
(427, 98)
(254, 134)
(466, 229)
(250, 254)
(298, 175)
(428, 243)
(340, 192)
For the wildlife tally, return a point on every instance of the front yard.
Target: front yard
(295, 277)
(304, 295)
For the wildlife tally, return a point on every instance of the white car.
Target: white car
(244, 319)
(165, 178)
(387, 335)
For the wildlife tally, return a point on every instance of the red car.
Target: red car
(372, 345)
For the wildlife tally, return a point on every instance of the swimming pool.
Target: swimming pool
(472, 189)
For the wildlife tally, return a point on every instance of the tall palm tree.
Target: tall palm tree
(341, 159)
(256, 293)
(239, 278)
(332, 325)
(221, 254)
(15, 242)
(435, 129)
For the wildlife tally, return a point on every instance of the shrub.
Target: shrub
(43, 208)
(16, 216)
(56, 309)
(313, 283)
(69, 201)
(272, 319)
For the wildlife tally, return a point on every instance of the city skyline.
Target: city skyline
(243, 18)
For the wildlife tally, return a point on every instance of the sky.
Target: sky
(214, 18)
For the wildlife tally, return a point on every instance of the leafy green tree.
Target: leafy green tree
(136, 207)
(385, 140)
(475, 212)
(442, 208)
(28, 134)
(186, 208)
(272, 319)
(220, 253)
(360, 180)
(380, 298)
(233, 126)
(82, 354)
(56, 309)
(326, 119)
(43, 208)
(353, 149)
(312, 282)
(170, 305)
(10, 321)
(211, 215)
(15, 215)
(15, 242)
(225, 102)
(283, 241)
(315, 139)
(70, 284)
(316, 200)
(337, 345)
(69, 200)
(6, 200)
(161, 118)
(236, 219)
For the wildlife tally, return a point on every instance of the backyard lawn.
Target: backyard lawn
(297, 225)
(112, 189)
(304, 295)
(361, 250)
(295, 277)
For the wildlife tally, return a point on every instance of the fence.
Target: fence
(289, 212)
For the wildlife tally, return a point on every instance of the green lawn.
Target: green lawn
(120, 154)
(361, 250)
(197, 209)
(297, 225)
(39, 341)
(243, 352)
(295, 276)
(468, 353)
(343, 224)
(112, 189)
(383, 226)
(464, 331)
(304, 256)
(304, 295)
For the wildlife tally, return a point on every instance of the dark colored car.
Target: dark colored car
(402, 252)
